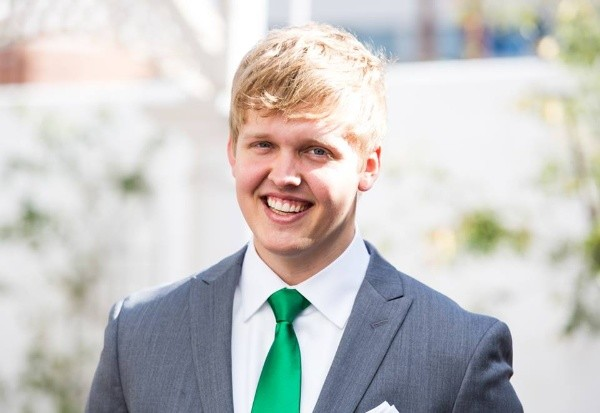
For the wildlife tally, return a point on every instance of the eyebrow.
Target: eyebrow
(257, 135)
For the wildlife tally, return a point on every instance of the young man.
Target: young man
(308, 316)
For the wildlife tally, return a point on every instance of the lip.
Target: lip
(283, 217)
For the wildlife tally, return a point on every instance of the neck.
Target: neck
(296, 268)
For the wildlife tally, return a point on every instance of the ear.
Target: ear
(370, 172)
(231, 153)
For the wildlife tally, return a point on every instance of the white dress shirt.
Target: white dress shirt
(319, 327)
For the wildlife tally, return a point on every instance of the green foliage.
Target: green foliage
(51, 373)
(29, 226)
(482, 232)
(578, 36)
(578, 32)
(585, 311)
(575, 42)
(577, 113)
(78, 158)
(592, 251)
(133, 183)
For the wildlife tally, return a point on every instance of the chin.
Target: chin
(285, 248)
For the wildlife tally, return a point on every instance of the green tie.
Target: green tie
(278, 389)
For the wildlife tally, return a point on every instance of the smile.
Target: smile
(286, 206)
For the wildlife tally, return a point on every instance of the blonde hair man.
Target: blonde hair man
(307, 316)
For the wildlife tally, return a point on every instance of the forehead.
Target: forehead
(260, 124)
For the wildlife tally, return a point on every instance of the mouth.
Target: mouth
(282, 206)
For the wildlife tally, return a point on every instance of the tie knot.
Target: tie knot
(287, 304)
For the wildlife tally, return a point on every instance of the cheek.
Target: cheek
(248, 175)
(334, 187)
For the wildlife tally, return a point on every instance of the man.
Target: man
(308, 316)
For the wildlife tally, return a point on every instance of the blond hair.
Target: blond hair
(314, 71)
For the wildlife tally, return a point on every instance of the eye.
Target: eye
(319, 152)
(262, 145)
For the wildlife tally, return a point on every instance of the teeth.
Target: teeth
(280, 205)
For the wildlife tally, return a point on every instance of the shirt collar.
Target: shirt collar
(331, 291)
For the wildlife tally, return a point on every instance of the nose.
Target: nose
(284, 171)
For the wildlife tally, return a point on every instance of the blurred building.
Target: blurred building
(67, 59)
(174, 57)
(429, 30)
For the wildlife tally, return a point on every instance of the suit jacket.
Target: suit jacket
(169, 350)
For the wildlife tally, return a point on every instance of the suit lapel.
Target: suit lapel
(211, 301)
(378, 312)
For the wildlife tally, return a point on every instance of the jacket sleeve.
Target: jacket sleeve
(486, 385)
(106, 394)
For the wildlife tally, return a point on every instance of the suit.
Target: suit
(169, 350)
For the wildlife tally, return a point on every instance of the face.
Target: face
(297, 183)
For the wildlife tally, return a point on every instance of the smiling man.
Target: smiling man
(307, 316)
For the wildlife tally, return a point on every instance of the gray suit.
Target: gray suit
(169, 350)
